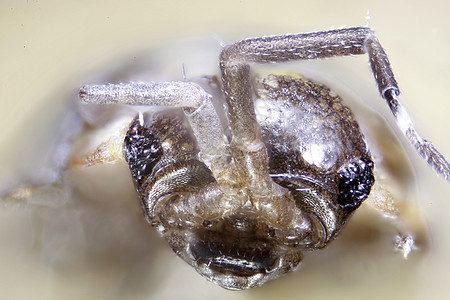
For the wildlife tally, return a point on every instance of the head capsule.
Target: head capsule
(320, 168)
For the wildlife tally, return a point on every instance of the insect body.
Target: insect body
(243, 174)
(320, 171)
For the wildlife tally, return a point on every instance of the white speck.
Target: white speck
(404, 244)
(160, 229)
(317, 154)
(141, 119)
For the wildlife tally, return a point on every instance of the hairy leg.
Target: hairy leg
(234, 63)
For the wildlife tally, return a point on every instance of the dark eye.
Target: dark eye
(142, 150)
(354, 181)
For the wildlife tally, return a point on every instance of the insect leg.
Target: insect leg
(248, 150)
(341, 42)
(196, 104)
(389, 91)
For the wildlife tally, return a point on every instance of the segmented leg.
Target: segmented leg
(234, 63)
(195, 102)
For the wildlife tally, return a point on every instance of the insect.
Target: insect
(242, 173)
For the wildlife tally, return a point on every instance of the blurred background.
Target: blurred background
(50, 48)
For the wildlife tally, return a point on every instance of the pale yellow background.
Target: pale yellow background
(47, 46)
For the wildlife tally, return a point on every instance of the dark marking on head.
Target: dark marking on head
(355, 179)
(142, 151)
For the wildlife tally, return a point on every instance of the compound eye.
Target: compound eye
(354, 181)
(142, 151)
